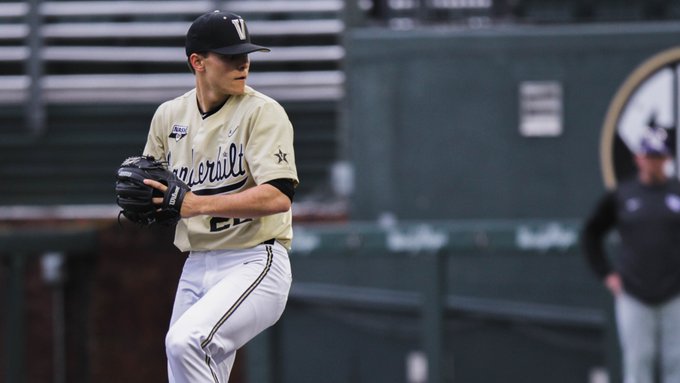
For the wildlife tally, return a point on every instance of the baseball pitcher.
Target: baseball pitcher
(231, 151)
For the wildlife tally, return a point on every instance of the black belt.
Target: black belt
(268, 242)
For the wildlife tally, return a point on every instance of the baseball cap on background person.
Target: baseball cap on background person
(653, 143)
(220, 32)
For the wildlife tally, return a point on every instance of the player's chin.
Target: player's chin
(237, 88)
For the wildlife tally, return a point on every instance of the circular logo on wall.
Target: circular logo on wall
(648, 99)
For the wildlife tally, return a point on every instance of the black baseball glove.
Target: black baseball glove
(135, 198)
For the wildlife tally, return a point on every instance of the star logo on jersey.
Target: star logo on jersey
(281, 156)
(179, 131)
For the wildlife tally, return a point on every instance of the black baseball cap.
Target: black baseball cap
(220, 32)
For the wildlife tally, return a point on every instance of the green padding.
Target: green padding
(418, 236)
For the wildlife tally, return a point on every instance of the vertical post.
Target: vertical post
(35, 105)
(423, 12)
(14, 329)
(433, 314)
(381, 12)
(53, 275)
(352, 14)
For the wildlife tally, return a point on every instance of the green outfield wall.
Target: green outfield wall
(432, 120)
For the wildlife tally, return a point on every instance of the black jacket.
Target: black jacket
(647, 219)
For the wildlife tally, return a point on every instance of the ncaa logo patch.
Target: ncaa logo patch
(648, 99)
(179, 131)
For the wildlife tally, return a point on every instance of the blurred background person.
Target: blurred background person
(644, 276)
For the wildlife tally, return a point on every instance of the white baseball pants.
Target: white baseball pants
(224, 299)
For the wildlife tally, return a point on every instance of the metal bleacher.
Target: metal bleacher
(80, 80)
(121, 51)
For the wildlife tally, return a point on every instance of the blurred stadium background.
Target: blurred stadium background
(448, 150)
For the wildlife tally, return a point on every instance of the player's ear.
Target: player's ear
(196, 61)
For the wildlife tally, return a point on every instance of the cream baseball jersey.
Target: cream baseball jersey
(247, 142)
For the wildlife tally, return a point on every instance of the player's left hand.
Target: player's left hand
(142, 194)
(185, 210)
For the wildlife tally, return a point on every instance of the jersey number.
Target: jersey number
(219, 223)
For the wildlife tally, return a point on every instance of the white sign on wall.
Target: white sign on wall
(540, 108)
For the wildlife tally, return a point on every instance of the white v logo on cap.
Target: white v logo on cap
(212, 32)
(240, 28)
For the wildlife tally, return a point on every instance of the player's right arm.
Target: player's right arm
(258, 201)
(594, 233)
